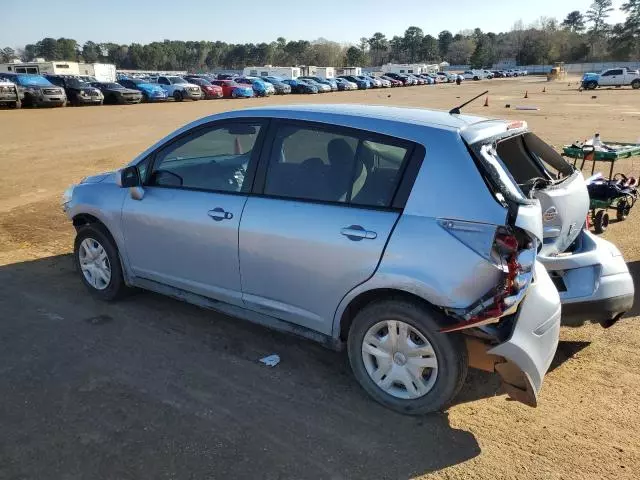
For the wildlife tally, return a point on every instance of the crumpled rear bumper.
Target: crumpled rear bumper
(528, 353)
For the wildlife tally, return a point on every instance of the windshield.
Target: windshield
(177, 80)
(33, 81)
(114, 86)
(75, 83)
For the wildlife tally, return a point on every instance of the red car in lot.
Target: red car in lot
(231, 89)
(209, 91)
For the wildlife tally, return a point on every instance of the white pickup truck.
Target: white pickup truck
(614, 77)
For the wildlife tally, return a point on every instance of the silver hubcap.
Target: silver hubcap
(94, 263)
(399, 359)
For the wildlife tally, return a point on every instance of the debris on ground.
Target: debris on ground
(271, 360)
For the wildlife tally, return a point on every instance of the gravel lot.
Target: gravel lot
(153, 388)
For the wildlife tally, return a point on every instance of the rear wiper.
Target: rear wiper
(456, 110)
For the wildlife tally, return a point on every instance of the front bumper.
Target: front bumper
(129, 100)
(192, 95)
(211, 95)
(89, 100)
(594, 281)
(50, 100)
(528, 353)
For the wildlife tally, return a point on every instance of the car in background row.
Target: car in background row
(345, 85)
(447, 77)
(300, 86)
(208, 90)
(406, 81)
(331, 83)
(280, 87)
(78, 92)
(10, 94)
(322, 87)
(260, 88)
(362, 83)
(394, 82)
(179, 88)
(36, 90)
(231, 89)
(114, 93)
(151, 92)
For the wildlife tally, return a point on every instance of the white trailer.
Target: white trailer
(271, 71)
(103, 72)
(41, 67)
(355, 71)
(409, 68)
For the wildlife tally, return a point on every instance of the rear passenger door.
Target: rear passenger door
(319, 219)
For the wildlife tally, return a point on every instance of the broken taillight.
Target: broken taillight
(514, 254)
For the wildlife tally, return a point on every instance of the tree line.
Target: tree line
(580, 37)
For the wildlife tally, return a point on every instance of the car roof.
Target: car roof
(413, 116)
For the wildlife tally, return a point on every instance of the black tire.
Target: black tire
(635, 84)
(591, 85)
(116, 287)
(450, 352)
(145, 98)
(177, 96)
(28, 100)
(623, 210)
(601, 222)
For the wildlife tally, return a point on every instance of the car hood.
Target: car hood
(100, 177)
(149, 87)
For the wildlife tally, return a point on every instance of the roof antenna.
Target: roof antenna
(456, 110)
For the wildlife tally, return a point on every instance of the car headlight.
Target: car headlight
(67, 195)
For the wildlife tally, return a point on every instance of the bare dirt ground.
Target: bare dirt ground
(153, 388)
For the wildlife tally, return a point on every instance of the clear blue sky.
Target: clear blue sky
(345, 21)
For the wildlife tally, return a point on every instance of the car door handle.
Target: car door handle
(219, 214)
(357, 233)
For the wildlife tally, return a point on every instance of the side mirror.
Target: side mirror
(129, 177)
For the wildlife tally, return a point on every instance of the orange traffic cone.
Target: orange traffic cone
(526, 94)
(486, 101)
(237, 147)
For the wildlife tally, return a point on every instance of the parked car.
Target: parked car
(208, 90)
(375, 83)
(345, 85)
(498, 74)
(78, 92)
(472, 75)
(416, 80)
(37, 91)
(231, 89)
(333, 86)
(10, 95)
(260, 88)
(406, 81)
(446, 77)
(487, 74)
(179, 88)
(226, 76)
(614, 77)
(362, 83)
(151, 92)
(117, 94)
(322, 87)
(394, 82)
(280, 87)
(300, 86)
(428, 79)
(416, 289)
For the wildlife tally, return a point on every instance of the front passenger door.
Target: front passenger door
(183, 232)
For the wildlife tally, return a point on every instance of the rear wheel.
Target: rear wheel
(635, 84)
(400, 358)
(601, 222)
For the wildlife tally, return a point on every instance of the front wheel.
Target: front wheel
(592, 85)
(177, 96)
(400, 358)
(96, 258)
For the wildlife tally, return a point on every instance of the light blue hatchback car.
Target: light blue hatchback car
(340, 223)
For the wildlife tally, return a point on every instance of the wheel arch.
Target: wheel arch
(351, 307)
